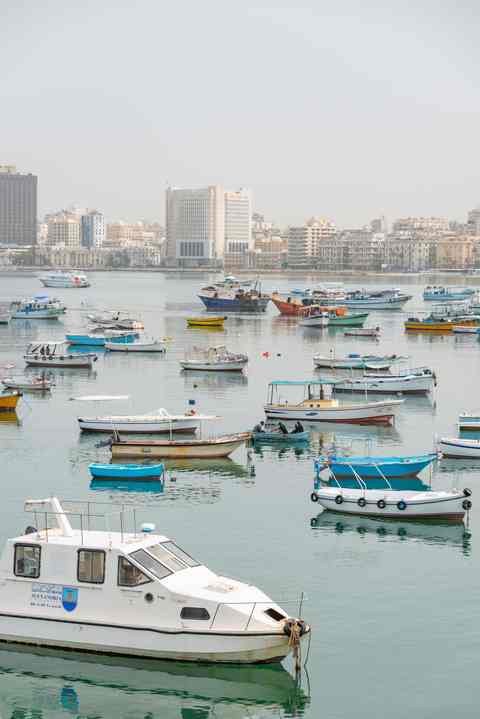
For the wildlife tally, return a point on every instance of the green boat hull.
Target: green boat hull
(353, 320)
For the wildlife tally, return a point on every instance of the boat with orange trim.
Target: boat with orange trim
(9, 401)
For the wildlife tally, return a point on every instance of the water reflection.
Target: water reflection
(194, 379)
(121, 485)
(9, 418)
(431, 532)
(49, 684)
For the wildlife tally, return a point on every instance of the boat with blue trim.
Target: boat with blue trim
(233, 296)
(99, 340)
(40, 307)
(390, 299)
(434, 293)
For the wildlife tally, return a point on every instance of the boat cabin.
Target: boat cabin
(316, 393)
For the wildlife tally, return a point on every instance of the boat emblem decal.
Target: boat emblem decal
(69, 598)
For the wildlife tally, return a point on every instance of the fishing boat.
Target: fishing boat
(395, 504)
(143, 345)
(391, 299)
(459, 448)
(291, 306)
(215, 359)
(318, 405)
(99, 340)
(54, 354)
(126, 471)
(468, 421)
(115, 320)
(158, 422)
(434, 293)
(202, 448)
(316, 317)
(275, 433)
(356, 361)
(465, 330)
(363, 332)
(230, 296)
(393, 384)
(65, 279)
(444, 318)
(9, 401)
(36, 384)
(205, 321)
(39, 307)
(366, 467)
(130, 592)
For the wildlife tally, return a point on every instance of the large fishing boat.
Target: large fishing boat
(232, 296)
(318, 405)
(391, 299)
(39, 307)
(447, 294)
(132, 592)
(65, 279)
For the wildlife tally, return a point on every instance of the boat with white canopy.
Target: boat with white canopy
(318, 404)
(53, 354)
(126, 589)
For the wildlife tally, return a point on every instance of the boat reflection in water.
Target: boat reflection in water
(51, 684)
(10, 417)
(154, 486)
(433, 532)
(194, 379)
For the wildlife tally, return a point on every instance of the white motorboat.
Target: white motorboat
(39, 307)
(36, 384)
(459, 448)
(53, 354)
(396, 504)
(319, 406)
(132, 592)
(217, 359)
(158, 422)
(142, 345)
(65, 279)
(356, 361)
(405, 384)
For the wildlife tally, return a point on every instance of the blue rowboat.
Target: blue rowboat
(280, 437)
(99, 340)
(375, 467)
(126, 471)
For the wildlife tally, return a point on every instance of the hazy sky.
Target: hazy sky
(342, 109)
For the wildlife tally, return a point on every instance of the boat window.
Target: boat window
(150, 563)
(274, 614)
(129, 575)
(27, 561)
(180, 554)
(91, 566)
(166, 558)
(194, 613)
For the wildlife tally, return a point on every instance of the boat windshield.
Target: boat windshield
(153, 565)
(180, 554)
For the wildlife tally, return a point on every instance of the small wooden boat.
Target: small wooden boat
(9, 401)
(138, 346)
(126, 471)
(317, 406)
(221, 446)
(467, 421)
(205, 321)
(36, 384)
(465, 330)
(53, 354)
(395, 504)
(289, 438)
(365, 467)
(158, 422)
(356, 361)
(214, 359)
(458, 448)
(363, 332)
(99, 340)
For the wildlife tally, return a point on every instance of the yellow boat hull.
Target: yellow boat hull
(418, 326)
(205, 321)
(8, 402)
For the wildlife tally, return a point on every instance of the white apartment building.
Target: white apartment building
(238, 228)
(64, 230)
(304, 241)
(93, 230)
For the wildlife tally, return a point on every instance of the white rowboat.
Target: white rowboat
(145, 346)
(457, 448)
(159, 422)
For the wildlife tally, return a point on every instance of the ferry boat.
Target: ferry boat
(65, 279)
(231, 296)
(39, 307)
(434, 293)
(131, 592)
(391, 299)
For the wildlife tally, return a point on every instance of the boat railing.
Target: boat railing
(254, 605)
(85, 514)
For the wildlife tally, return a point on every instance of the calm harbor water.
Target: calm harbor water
(395, 607)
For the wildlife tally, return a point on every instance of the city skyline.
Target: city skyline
(348, 111)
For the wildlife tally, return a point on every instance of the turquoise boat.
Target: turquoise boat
(280, 437)
(374, 467)
(126, 471)
(93, 340)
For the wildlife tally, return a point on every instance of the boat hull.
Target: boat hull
(352, 363)
(389, 385)
(77, 361)
(126, 471)
(459, 448)
(195, 449)
(369, 304)
(369, 413)
(353, 320)
(376, 467)
(418, 505)
(64, 284)
(90, 636)
(288, 309)
(134, 347)
(205, 321)
(8, 402)
(213, 366)
(26, 386)
(225, 304)
(432, 326)
(154, 426)
(37, 315)
(271, 437)
(100, 341)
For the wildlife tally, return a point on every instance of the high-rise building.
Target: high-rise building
(238, 231)
(93, 230)
(18, 208)
(64, 230)
(195, 220)
(304, 241)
